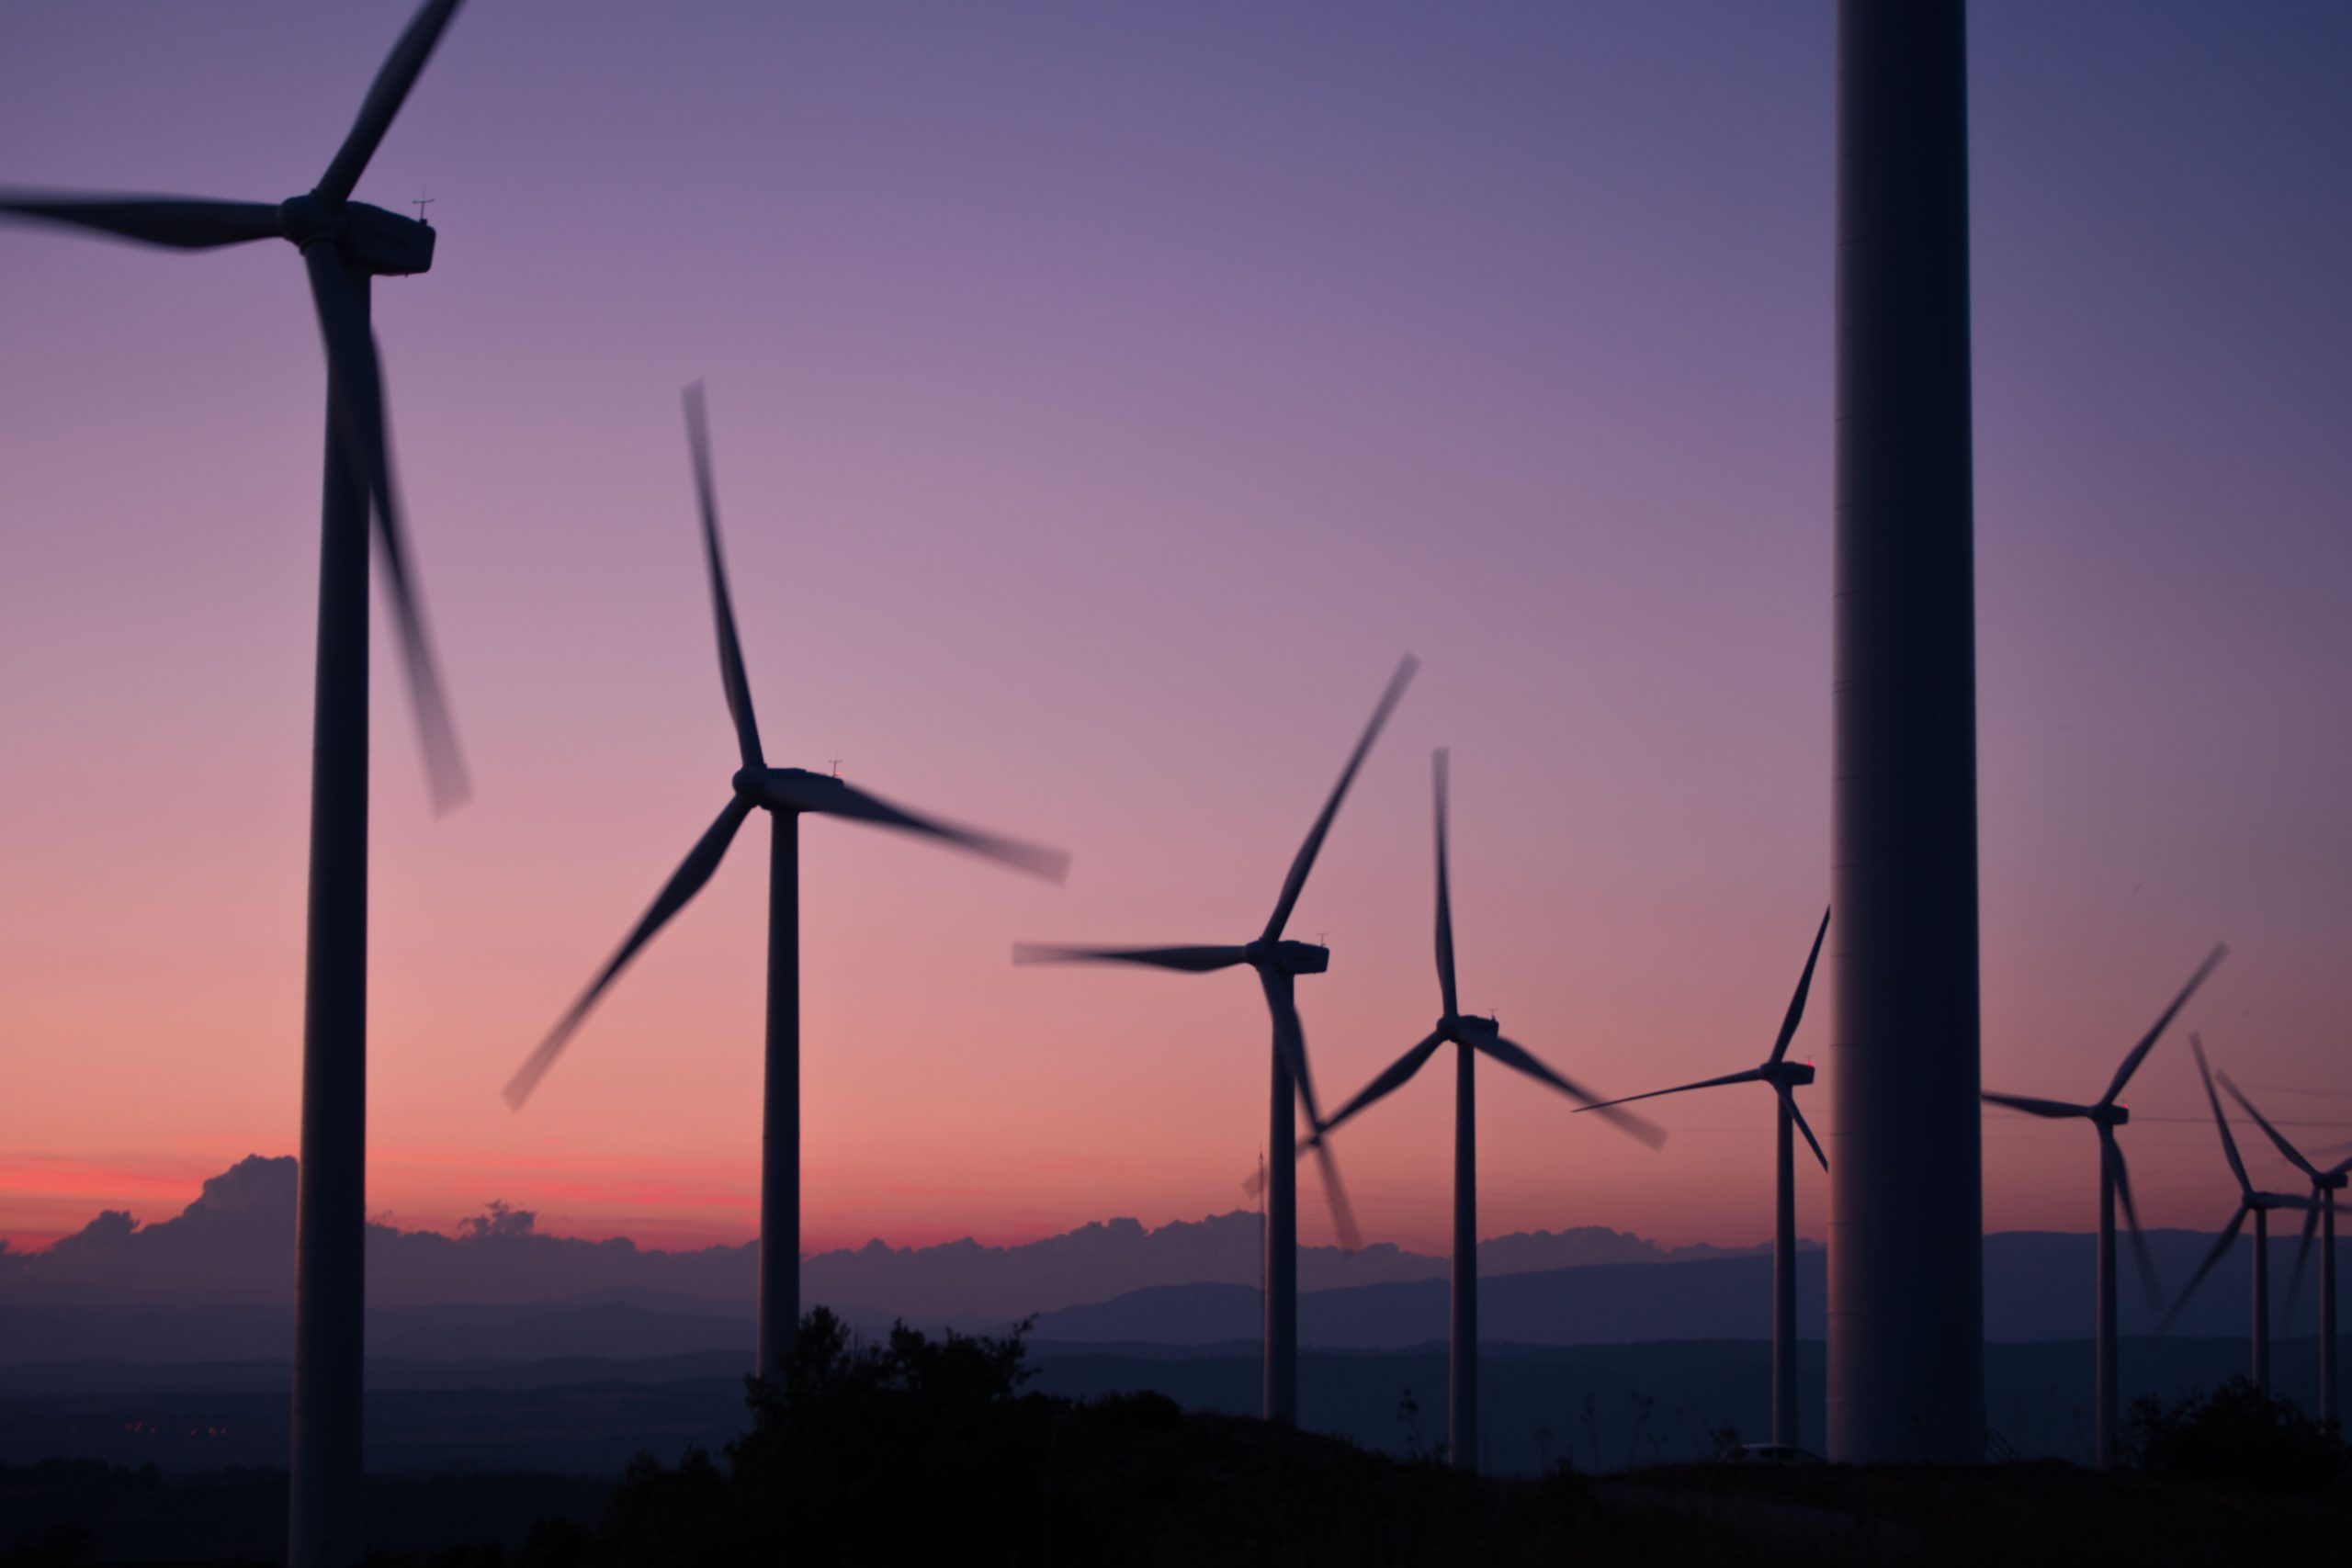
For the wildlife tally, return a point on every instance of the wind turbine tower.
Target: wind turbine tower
(1469, 1035)
(1906, 1314)
(345, 246)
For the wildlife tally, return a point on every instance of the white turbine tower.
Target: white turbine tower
(2251, 1201)
(1469, 1035)
(1279, 961)
(1786, 1077)
(2114, 1184)
(2325, 1185)
(785, 794)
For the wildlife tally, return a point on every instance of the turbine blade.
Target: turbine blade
(2122, 1176)
(1393, 1077)
(683, 883)
(354, 382)
(2229, 1143)
(2237, 1223)
(1444, 894)
(2148, 1041)
(1797, 1114)
(2033, 1106)
(1290, 1039)
(1804, 988)
(1190, 959)
(2294, 1156)
(2302, 1259)
(181, 222)
(1296, 881)
(722, 603)
(1343, 1213)
(384, 98)
(1510, 1053)
(838, 799)
(1752, 1075)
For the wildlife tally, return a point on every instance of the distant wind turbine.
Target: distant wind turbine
(1279, 962)
(1785, 1077)
(1469, 1035)
(345, 245)
(2251, 1201)
(785, 794)
(2325, 1185)
(2114, 1182)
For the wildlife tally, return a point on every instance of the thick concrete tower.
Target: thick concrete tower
(1906, 1307)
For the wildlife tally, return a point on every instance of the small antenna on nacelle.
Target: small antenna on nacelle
(421, 203)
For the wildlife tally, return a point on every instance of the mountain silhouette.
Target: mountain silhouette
(233, 1245)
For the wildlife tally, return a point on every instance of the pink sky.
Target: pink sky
(1102, 401)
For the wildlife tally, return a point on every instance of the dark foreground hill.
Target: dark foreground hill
(1602, 1406)
(922, 1452)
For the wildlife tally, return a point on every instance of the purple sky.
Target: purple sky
(1103, 399)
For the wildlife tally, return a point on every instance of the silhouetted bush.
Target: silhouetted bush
(915, 1450)
(2234, 1436)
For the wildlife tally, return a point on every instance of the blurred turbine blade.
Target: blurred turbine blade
(1192, 960)
(2237, 1223)
(841, 800)
(2033, 1106)
(1804, 988)
(1343, 1214)
(2302, 1259)
(2294, 1156)
(2148, 1041)
(181, 222)
(1444, 893)
(1305, 862)
(384, 98)
(2229, 1143)
(2112, 1152)
(683, 883)
(1391, 1080)
(1797, 1114)
(354, 380)
(722, 603)
(1290, 1039)
(1753, 1075)
(1510, 1053)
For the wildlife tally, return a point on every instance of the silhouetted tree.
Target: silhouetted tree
(2234, 1436)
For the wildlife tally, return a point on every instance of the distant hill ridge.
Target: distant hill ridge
(235, 1245)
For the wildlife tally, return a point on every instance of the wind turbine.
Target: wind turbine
(785, 794)
(1785, 1077)
(345, 245)
(1469, 1035)
(2250, 1202)
(1279, 962)
(2114, 1182)
(2325, 1185)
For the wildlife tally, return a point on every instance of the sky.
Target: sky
(1104, 400)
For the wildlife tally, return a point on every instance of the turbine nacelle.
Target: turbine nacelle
(1454, 1025)
(788, 789)
(1287, 957)
(1785, 1074)
(381, 243)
